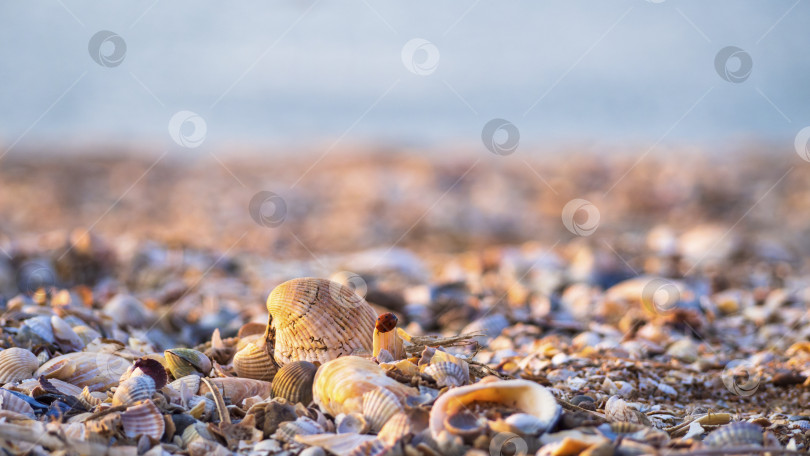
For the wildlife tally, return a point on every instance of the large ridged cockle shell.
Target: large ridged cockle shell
(294, 381)
(97, 371)
(318, 320)
(254, 361)
(143, 418)
(134, 389)
(523, 395)
(341, 384)
(735, 435)
(187, 361)
(234, 390)
(17, 364)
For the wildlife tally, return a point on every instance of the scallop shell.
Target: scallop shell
(302, 426)
(253, 361)
(294, 382)
(40, 326)
(234, 390)
(134, 389)
(446, 373)
(144, 418)
(736, 434)
(379, 405)
(13, 403)
(402, 424)
(318, 320)
(187, 361)
(97, 371)
(526, 396)
(17, 364)
(340, 384)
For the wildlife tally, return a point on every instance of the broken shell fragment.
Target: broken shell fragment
(17, 364)
(293, 382)
(187, 361)
(317, 320)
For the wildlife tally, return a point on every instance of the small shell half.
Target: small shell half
(97, 371)
(294, 382)
(253, 361)
(13, 403)
(187, 361)
(402, 424)
(134, 389)
(379, 405)
(144, 418)
(17, 364)
(446, 373)
(736, 434)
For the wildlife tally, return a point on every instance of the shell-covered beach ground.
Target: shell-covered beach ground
(380, 303)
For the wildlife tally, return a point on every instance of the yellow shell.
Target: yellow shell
(318, 320)
(402, 424)
(144, 418)
(293, 382)
(253, 361)
(187, 361)
(340, 384)
(97, 371)
(17, 364)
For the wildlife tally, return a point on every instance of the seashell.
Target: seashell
(65, 337)
(379, 405)
(525, 424)
(269, 415)
(62, 387)
(187, 361)
(195, 432)
(735, 434)
(17, 364)
(343, 444)
(402, 424)
(302, 426)
(126, 310)
(12, 403)
(446, 373)
(341, 383)
(528, 397)
(234, 390)
(134, 389)
(144, 418)
(97, 371)
(201, 407)
(40, 327)
(255, 362)
(440, 356)
(251, 328)
(86, 333)
(89, 399)
(353, 423)
(317, 320)
(148, 367)
(191, 383)
(465, 424)
(294, 382)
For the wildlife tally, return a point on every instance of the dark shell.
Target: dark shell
(293, 382)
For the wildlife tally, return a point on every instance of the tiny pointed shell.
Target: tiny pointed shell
(134, 389)
(318, 320)
(144, 418)
(253, 361)
(379, 405)
(294, 382)
(17, 364)
(13, 403)
(446, 373)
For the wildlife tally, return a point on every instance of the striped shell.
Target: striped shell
(302, 426)
(17, 364)
(41, 327)
(134, 389)
(89, 399)
(97, 371)
(187, 361)
(255, 362)
(318, 320)
(446, 373)
(379, 405)
(12, 403)
(340, 385)
(144, 418)
(735, 434)
(294, 381)
(190, 382)
(402, 424)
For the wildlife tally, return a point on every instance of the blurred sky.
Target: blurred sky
(300, 72)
